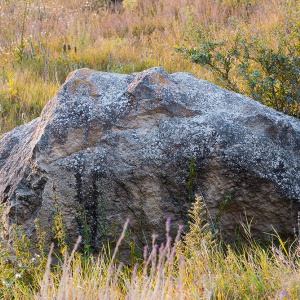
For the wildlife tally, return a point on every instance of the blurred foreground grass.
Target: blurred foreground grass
(196, 266)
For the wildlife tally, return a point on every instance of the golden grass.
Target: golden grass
(197, 267)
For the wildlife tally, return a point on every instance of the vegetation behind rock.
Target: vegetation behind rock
(42, 41)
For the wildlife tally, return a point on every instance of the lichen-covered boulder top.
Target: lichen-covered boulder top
(111, 146)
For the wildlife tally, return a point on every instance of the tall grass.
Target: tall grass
(42, 41)
(195, 266)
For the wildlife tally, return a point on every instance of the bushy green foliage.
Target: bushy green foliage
(247, 63)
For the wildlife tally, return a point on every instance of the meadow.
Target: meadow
(248, 46)
(42, 41)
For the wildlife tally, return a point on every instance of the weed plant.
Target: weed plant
(42, 41)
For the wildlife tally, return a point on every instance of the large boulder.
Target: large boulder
(109, 147)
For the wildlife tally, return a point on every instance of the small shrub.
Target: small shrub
(248, 65)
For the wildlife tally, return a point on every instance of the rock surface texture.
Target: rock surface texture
(110, 146)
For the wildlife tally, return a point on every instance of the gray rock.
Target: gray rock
(110, 146)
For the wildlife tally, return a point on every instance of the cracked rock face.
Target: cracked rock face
(109, 147)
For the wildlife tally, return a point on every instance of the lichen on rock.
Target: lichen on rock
(114, 146)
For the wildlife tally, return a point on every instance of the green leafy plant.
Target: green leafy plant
(60, 231)
(86, 233)
(248, 65)
(192, 175)
(59, 227)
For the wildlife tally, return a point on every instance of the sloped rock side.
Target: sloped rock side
(110, 146)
